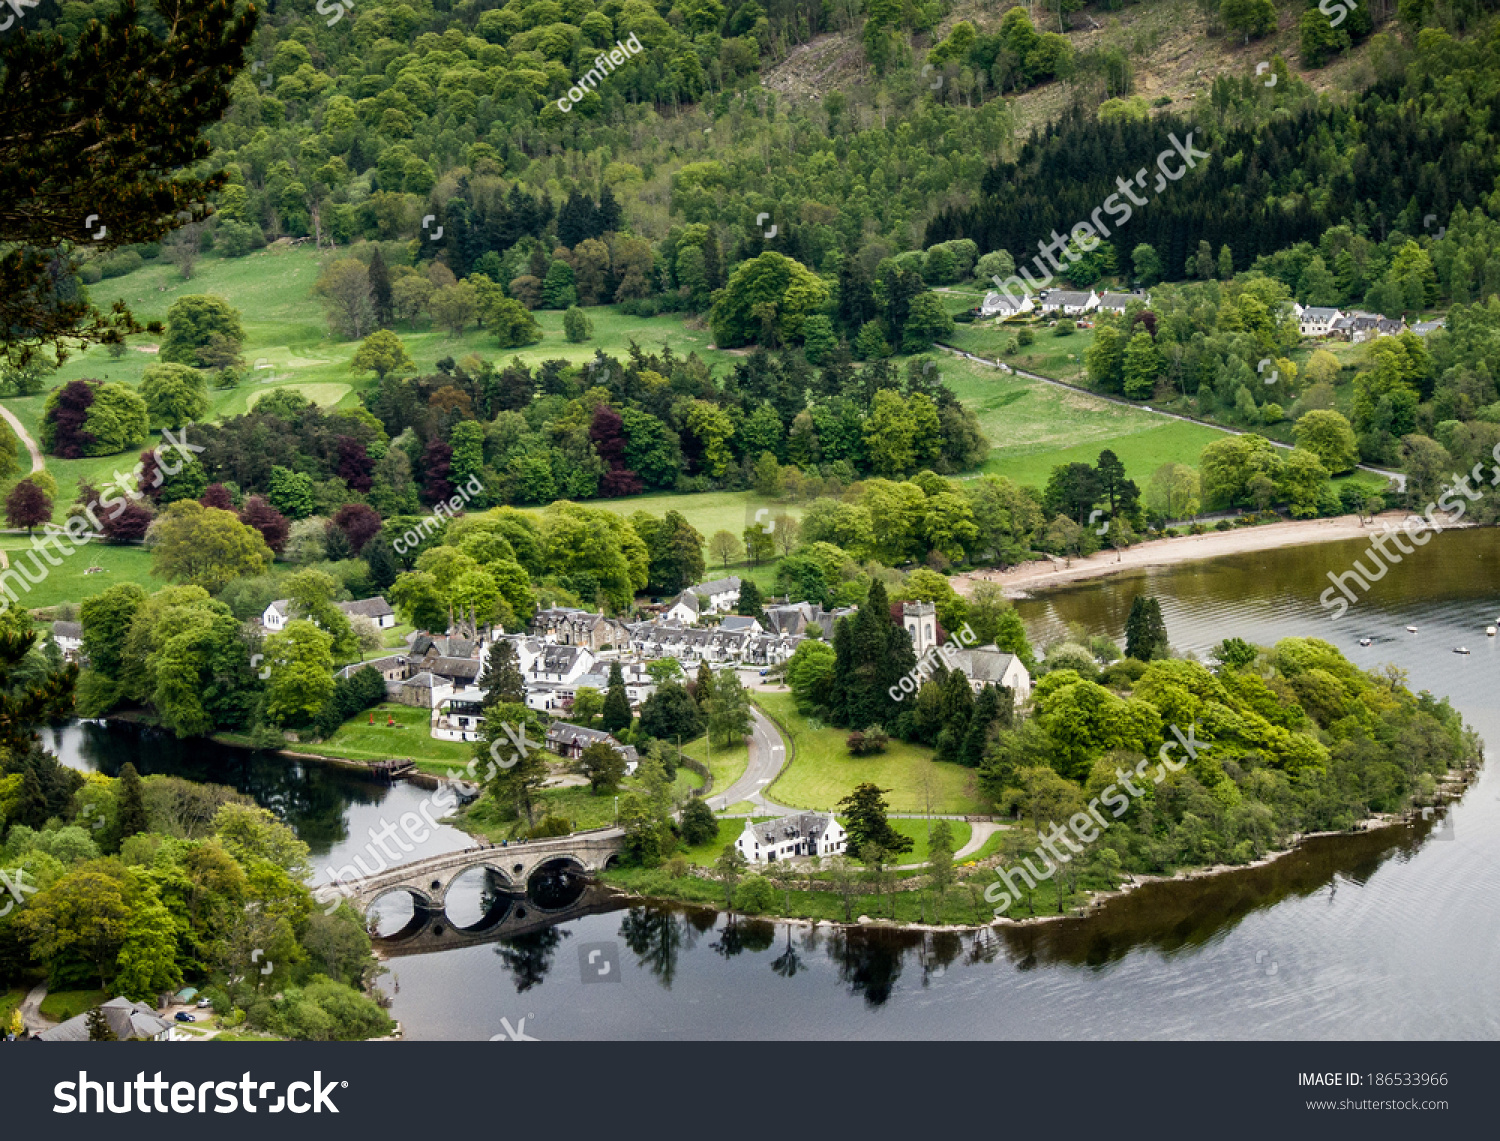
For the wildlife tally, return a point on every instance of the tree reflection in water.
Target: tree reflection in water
(529, 957)
(739, 935)
(656, 936)
(869, 962)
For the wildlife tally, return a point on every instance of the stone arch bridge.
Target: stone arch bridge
(428, 880)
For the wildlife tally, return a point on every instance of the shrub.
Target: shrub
(1065, 329)
(755, 895)
(873, 740)
(548, 826)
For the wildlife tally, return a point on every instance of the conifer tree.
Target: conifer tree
(616, 715)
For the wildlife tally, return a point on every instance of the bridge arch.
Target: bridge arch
(557, 883)
(423, 908)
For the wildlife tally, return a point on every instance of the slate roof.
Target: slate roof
(802, 825)
(376, 607)
(128, 1020)
(717, 586)
(72, 630)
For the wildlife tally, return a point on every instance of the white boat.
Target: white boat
(1411, 629)
(1490, 630)
(1367, 641)
(1460, 649)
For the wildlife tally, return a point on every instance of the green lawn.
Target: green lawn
(1034, 427)
(68, 581)
(358, 740)
(727, 763)
(707, 511)
(61, 1005)
(1049, 354)
(823, 772)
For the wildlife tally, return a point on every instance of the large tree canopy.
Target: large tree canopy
(112, 119)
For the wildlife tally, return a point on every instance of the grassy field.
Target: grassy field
(1049, 354)
(61, 1005)
(1035, 426)
(358, 740)
(68, 582)
(822, 772)
(727, 763)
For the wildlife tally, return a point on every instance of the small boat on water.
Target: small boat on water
(1460, 649)
(1490, 630)
(1367, 641)
(1411, 629)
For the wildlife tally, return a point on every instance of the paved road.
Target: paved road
(1396, 476)
(768, 752)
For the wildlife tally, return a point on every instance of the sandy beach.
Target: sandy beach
(1021, 581)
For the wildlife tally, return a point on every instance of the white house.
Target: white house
(69, 638)
(989, 665)
(1315, 321)
(1067, 302)
(459, 716)
(684, 609)
(717, 595)
(1004, 306)
(377, 609)
(802, 834)
(1116, 302)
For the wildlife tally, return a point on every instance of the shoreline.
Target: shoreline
(1450, 791)
(1024, 580)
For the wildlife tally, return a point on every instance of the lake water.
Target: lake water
(1393, 934)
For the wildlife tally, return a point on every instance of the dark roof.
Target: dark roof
(807, 825)
(126, 1019)
(717, 585)
(72, 630)
(376, 607)
(453, 667)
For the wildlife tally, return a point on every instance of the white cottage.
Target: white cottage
(800, 835)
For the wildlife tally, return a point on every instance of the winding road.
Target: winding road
(1397, 477)
(37, 463)
(768, 753)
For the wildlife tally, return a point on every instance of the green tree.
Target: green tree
(616, 715)
(205, 547)
(864, 812)
(1327, 435)
(291, 493)
(300, 658)
(576, 325)
(1145, 630)
(729, 720)
(749, 602)
(383, 354)
(725, 547)
(602, 763)
(130, 805)
(729, 869)
(676, 551)
(698, 823)
(513, 764)
(670, 713)
(558, 290)
(1141, 365)
(174, 394)
(192, 324)
(1105, 359)
(381, 298)
(1250, 18)
(502, 680)
(767, 299)
(512, 325)
(1147, 264)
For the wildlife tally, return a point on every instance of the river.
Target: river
(1387, 935)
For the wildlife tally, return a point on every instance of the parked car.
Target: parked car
(184, 1016)
(205, 1003)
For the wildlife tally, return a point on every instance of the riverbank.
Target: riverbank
(1024, 580)
(909, 903)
